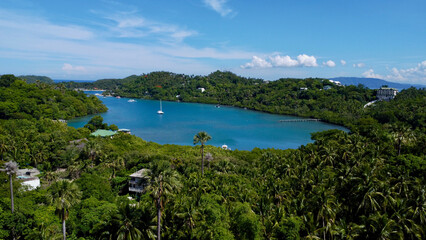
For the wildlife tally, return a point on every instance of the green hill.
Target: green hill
(34, 79)
(34, 101)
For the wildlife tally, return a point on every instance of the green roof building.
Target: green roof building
(103, 133)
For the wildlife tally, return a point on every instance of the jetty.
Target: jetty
(301, 120)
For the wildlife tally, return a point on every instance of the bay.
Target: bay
(235, 127)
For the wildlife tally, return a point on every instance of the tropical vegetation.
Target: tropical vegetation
(366, 184)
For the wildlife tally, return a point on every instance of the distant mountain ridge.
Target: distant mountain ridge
(374, 83)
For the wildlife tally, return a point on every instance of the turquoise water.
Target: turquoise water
(238, 128)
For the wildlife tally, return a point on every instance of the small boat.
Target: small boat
(161, 109)
(118, 97)
(124, 130)
(131, 100)
(218, 106)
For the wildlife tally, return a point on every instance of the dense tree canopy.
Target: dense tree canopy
(35, 79)
(19, 100)
(366, 184)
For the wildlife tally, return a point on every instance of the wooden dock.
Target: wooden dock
(301, 120)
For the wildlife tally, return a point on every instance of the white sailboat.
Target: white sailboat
(161, 109)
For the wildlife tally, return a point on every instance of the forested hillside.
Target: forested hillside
(35, 79)
(367, 184)
(19, 100)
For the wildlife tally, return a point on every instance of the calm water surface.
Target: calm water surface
(238, 128)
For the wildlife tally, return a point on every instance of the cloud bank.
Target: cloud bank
(415, 74)
(302, 60)
(131, 25)
(61, 51)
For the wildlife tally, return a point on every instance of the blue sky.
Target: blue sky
(271, 39)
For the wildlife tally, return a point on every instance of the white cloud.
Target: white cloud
(100, 56)
(415, 74)
(358, 65)
(257, 62)
(219, 6)
(303, 60)
(283, 61)
(307, 61)
(40, 27)
(329, 63)
(70, 68)
(343, 62)
(212, 53)
(131, 25)
(370, 74)
(129, 22)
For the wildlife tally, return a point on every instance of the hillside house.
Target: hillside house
(103, 133)
(386, 93)
(338, 83)
(125, 130)
(138, 181)
(29, 178)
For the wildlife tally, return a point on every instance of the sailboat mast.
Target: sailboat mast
(161, 108)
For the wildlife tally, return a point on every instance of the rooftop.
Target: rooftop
(28, 172)
(103, 133)
(141, 173)
(388, 88)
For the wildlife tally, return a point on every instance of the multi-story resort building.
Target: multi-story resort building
(386, 93)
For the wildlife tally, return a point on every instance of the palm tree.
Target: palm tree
(64, 194)
(402, 135)
(38, 152)
(92, 149)
(127, 229)
(162, 184)
(75, 169)
(11, 168)
(49, 232)
(202, 137)
(114, 163)
(50, 177)
(3, 147)
(209, 158)
(186, 211)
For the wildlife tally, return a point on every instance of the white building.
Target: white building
(386, 93)
(138, 181)
(338, 83)
(202, 89)
(29, 178)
